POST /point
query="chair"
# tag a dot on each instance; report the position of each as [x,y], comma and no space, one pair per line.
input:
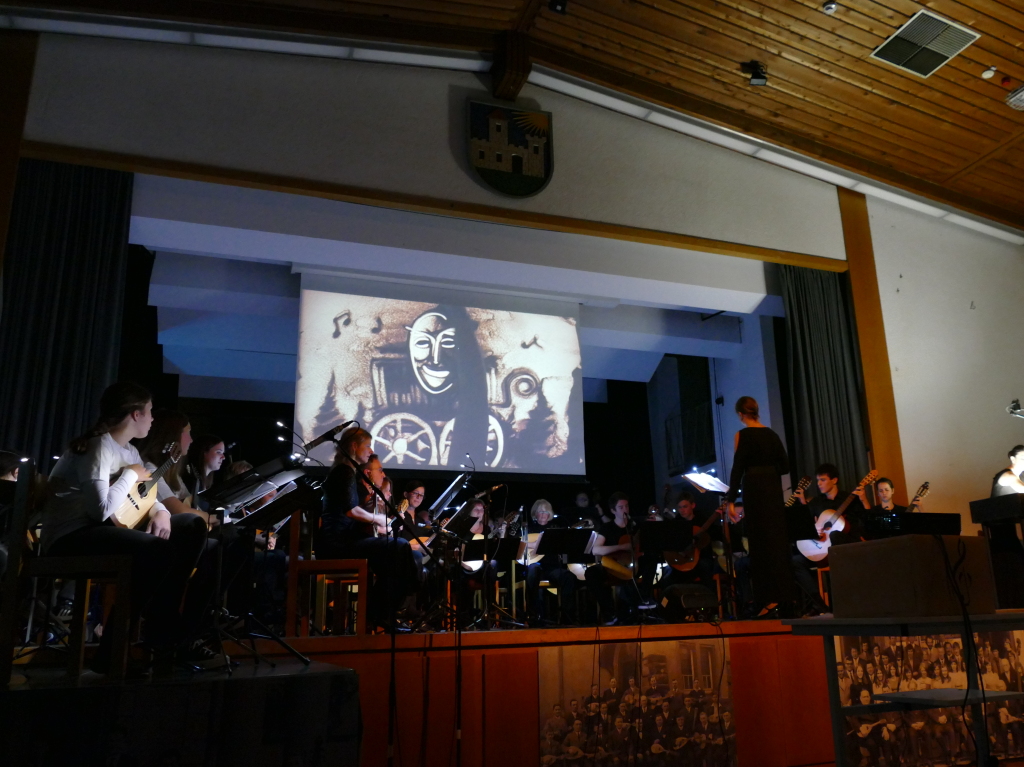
[347,572]
[23,566]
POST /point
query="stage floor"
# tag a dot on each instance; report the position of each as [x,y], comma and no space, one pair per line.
[257,716]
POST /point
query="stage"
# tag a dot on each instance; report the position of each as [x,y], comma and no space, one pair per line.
[288,715]
[778,689]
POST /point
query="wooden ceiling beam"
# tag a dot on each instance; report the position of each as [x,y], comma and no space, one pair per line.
[512,64]
[527,15]
[992,154]
[649,90]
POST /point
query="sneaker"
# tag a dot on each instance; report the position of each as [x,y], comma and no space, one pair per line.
[199,654]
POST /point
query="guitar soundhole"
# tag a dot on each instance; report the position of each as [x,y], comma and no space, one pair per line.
[143,492]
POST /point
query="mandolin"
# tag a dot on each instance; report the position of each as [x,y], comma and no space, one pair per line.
[142,495]
[686,560]
[828,522]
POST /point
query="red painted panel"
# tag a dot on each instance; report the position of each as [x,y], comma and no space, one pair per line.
[410,671]
[472,710]
[803,700]
[439,700]
[760,725]
[510,706]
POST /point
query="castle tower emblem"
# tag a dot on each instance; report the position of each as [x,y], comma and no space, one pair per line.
[510,149]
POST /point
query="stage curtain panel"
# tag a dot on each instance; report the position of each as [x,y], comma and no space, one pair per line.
[824,374]
[63,291]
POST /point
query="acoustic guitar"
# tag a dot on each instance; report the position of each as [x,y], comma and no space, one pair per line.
[686,560]
[622,564]
[803,484]
[142,495]
[919,496]
[828,522]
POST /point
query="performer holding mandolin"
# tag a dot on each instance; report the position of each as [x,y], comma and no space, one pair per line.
[90,483]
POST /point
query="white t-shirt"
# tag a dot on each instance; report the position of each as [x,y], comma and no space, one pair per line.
[87,489]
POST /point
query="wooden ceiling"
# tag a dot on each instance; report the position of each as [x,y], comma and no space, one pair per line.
[949,137]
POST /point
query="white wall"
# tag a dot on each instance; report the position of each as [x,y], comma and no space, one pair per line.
[952,306]
[402,129]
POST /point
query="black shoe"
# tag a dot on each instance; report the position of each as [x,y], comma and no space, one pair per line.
[198,654]
[613,622]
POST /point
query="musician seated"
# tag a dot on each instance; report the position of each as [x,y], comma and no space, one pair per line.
[176,490]
[612,538]
[549,568]
[584,513]
[347,531]
[884,488]
[828,498]
[88,486]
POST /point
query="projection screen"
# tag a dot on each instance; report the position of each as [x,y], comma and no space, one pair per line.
[434,381]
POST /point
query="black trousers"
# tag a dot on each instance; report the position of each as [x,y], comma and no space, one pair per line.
[808,580]
[601,584]
[160,568]
[390,560]
[559,577]
[233,549]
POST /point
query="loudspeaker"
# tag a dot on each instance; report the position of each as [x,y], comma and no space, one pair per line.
[905,577]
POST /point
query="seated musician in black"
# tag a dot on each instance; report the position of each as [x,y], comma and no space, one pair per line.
[347,530]
[829,497]
[599,580]
[884,488]
[1004,543]
[549,569]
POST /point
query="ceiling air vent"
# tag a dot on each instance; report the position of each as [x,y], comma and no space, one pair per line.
[924,44]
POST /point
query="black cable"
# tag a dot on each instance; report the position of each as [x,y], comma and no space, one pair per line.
[955,576]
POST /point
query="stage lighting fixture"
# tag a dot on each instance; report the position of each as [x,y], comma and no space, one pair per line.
[830,7]
[558,6]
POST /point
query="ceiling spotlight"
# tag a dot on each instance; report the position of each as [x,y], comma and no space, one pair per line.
[23,460]
[757,70]
[830,7]
[280,439]
[558,6]
[280,425]
[989,73]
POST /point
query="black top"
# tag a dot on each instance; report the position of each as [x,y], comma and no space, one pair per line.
[611,533]
[998,489]
[341,494]
[896,509]
[759,449]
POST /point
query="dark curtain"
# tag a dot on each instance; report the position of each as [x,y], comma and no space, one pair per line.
[824,375]
[63,291]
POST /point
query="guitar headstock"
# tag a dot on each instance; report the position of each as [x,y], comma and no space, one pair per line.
[869,479]
[922,491]
[803,484]
[173,451]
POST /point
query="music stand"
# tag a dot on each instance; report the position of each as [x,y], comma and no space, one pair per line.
[574,545]
[302,496]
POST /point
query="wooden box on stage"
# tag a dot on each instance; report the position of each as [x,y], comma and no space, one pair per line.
[905,577]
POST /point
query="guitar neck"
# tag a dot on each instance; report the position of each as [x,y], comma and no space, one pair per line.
[157,475]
